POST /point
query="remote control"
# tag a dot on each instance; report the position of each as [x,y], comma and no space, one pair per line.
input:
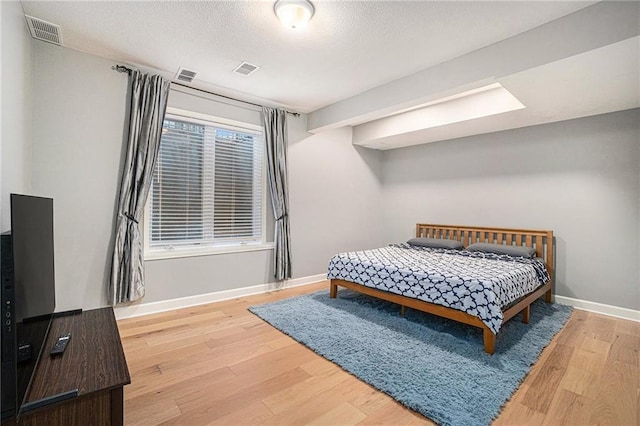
[60,345]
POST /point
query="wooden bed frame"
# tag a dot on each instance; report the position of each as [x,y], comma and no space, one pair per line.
[542,241]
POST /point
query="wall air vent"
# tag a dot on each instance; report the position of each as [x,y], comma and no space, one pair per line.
[43,30]
[246,68]
[185,75]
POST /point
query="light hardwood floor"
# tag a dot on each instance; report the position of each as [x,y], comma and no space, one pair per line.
[220,364]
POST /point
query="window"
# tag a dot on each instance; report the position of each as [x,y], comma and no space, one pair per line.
[207,188]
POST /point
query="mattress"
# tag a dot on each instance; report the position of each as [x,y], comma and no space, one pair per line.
[480,284]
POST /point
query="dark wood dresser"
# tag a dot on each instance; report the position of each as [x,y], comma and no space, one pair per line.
[93,364]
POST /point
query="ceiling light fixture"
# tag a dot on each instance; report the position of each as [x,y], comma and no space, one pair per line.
[293,13]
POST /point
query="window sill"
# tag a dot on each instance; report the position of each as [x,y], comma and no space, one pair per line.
[208,251]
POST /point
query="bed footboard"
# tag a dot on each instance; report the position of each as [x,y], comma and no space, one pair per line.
[489,338]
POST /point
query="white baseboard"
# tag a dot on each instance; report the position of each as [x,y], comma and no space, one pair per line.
[139,309]
[600,308]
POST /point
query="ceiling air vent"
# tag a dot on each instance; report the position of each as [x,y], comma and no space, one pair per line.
[246,68]
[185,75]
[43,30]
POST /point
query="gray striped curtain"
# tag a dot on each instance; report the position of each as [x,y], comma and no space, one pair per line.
[148,105]
[275,133]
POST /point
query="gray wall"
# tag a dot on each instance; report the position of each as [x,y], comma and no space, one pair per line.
[188,276]
[15,125]
[335,193]
[78,115]
[579,178]
[78,122]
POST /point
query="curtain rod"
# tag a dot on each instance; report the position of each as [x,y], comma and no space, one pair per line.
[122,68]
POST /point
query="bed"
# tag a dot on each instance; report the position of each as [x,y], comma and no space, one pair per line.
[476,288]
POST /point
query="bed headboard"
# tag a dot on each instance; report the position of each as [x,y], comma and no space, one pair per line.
[542,241]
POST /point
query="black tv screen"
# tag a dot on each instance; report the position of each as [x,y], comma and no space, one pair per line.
[34,280]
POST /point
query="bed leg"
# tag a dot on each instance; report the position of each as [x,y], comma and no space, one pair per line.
[333,290]
[547,296]
[402,310]
[526,313]
[489,341]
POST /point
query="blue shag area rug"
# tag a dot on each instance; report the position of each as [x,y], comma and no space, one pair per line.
[432,365]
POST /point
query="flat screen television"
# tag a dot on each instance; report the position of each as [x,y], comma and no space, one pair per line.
[28,285]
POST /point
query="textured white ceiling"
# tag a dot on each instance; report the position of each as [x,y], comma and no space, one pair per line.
[347,48]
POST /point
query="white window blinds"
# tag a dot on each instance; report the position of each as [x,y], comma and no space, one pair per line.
[207,186]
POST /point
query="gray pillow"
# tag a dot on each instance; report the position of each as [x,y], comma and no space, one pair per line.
[436,243]
[516,251]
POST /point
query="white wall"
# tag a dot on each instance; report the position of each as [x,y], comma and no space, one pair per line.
[579,178]
[15,109]
[79,117]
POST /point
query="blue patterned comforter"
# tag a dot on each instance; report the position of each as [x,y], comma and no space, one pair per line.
[480,284]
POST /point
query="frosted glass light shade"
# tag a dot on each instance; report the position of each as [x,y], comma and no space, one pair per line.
[293,13]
